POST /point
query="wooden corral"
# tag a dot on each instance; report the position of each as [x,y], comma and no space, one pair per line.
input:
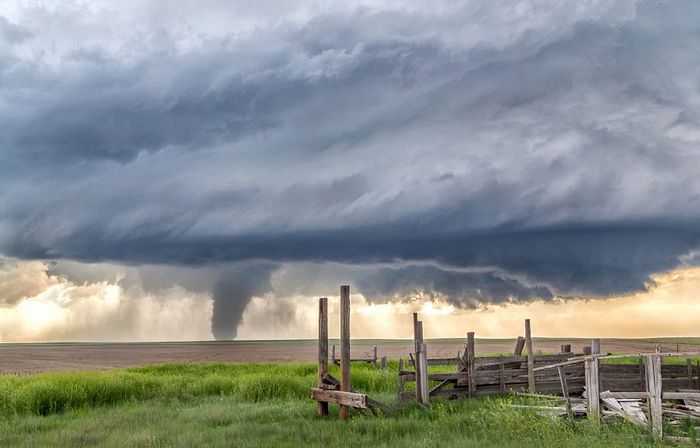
[613,389]
[484,375]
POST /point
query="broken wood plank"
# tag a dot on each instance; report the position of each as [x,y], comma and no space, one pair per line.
[343,398]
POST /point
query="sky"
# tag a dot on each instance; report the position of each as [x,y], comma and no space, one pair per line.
[178,169]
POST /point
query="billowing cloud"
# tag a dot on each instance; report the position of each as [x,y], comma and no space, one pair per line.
[482,152]
[40,306]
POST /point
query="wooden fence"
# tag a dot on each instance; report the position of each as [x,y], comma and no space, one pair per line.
[485,375]
[650,380]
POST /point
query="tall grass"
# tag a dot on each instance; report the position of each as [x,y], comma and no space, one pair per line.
[183,405]
[51,393]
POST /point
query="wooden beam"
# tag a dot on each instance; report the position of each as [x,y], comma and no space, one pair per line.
[418,340]
[560,364]
[564,390]
[519,346]
[653,371]
[344,399]
[625,395]
[689,362]
[680,395]
[322,349]
[471,368]
[592,388]
[595,347]
[345,384]
[530,360]
[399,384]
[501,369]
[423,368]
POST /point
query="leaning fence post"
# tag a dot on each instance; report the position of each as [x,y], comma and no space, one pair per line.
[565,390]
[530,359]
[519,345]
[322,349]
[345,384]
[592,388]
[653,369]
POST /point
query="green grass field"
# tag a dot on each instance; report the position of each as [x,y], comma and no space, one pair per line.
[263,405]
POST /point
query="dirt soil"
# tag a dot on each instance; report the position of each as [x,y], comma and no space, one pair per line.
[34,358]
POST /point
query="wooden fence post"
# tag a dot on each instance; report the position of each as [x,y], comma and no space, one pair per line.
[322,349]
[519,345]
[423,363]
[653,369]
[399,386]
[374,356]
[471,368]
[595,347]
[592,388]
[417,340]
[530,359]
[689,362]
[383,362]
[502,368]
[333,354]
[345,384]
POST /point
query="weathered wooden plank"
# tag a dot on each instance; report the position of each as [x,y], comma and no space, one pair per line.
[345,384]
[680,395]
[471,368]
[625,395]
[418,337]
[322,407]
[592,388]
[653,371]
[530,360]
[564,389]
[595,347]
[559,364]
[423,367]
[552,358]
[502,377]
[399,385]
[343,398]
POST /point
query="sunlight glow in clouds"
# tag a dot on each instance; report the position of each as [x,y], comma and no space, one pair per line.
[107,311]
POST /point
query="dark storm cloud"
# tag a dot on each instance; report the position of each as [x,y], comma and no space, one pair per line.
[553,148]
